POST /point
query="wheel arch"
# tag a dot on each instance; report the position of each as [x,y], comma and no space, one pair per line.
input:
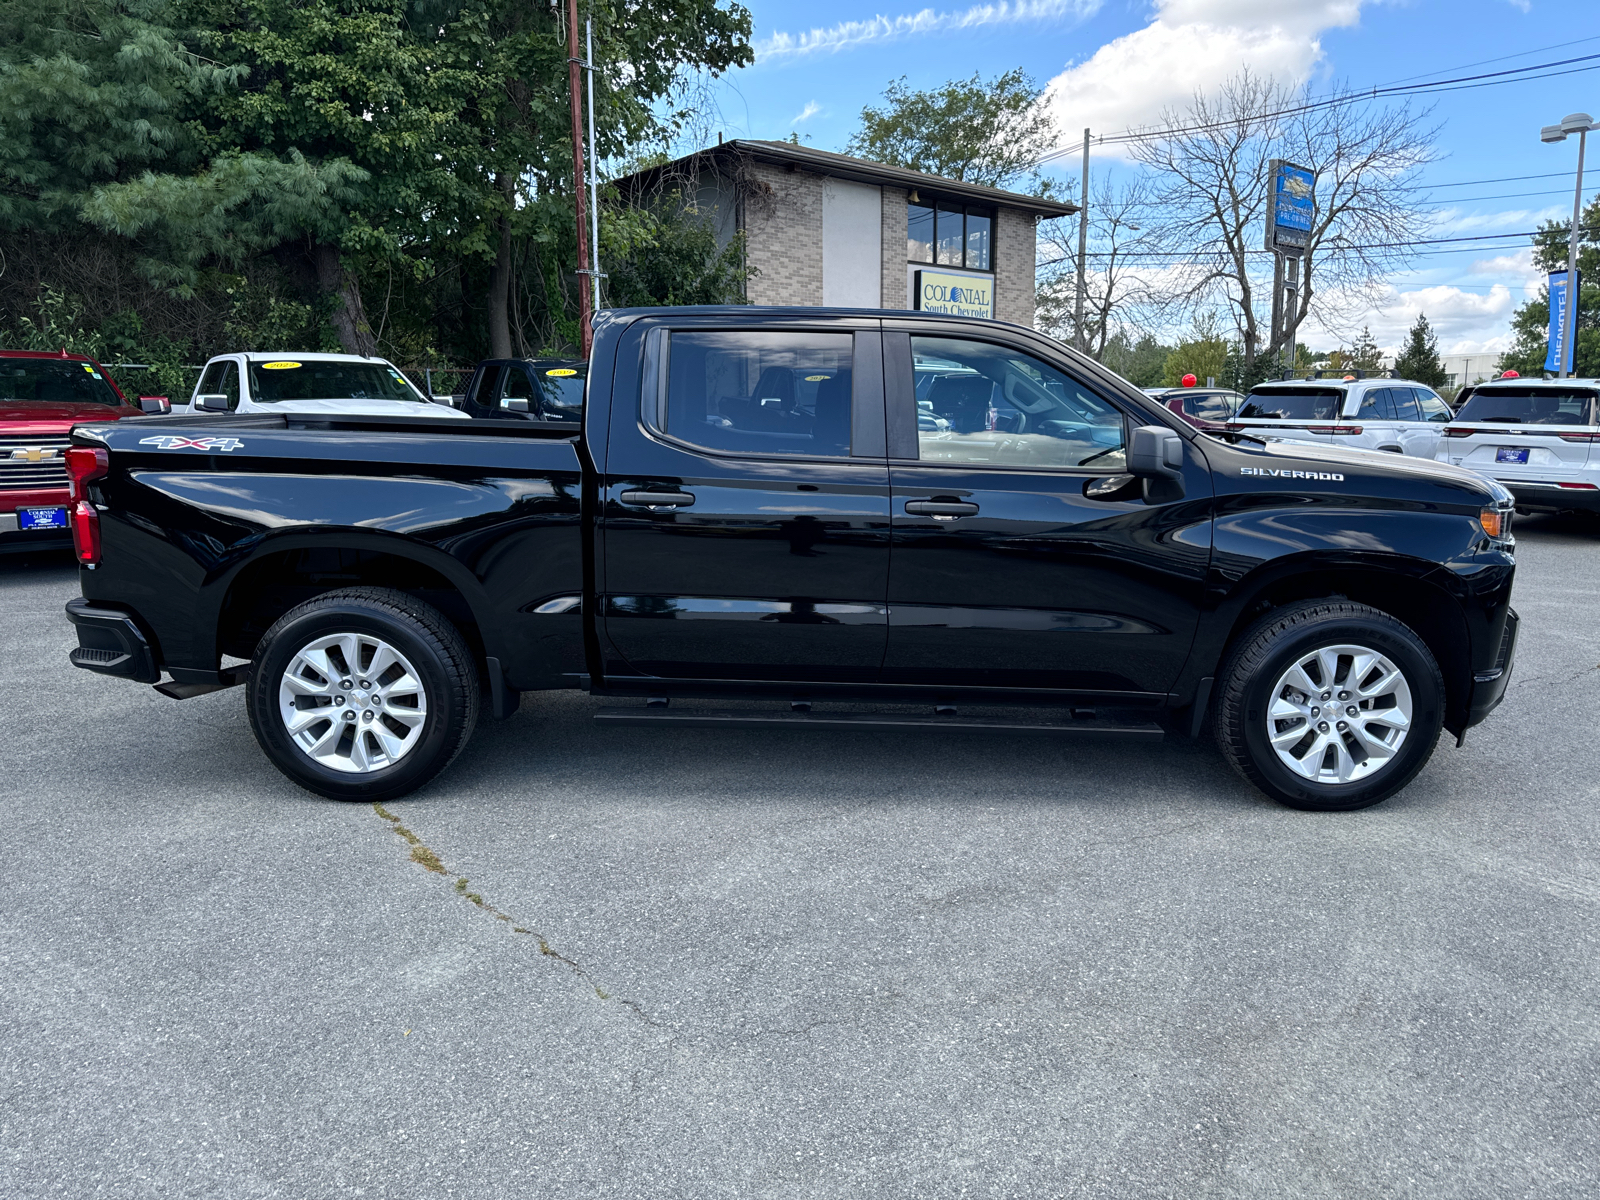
[1409,590]
[289,569]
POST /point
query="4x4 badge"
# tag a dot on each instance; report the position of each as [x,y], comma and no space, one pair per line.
[169,441]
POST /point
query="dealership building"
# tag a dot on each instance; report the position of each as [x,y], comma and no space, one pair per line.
[828,229]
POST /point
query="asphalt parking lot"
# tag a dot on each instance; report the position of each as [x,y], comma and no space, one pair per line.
[640,963]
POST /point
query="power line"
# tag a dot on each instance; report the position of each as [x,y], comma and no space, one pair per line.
[1460,83]
[1503,58]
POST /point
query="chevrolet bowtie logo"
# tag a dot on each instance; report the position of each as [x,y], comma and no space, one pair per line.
[33,453]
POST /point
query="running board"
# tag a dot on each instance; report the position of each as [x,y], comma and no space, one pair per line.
[660,715]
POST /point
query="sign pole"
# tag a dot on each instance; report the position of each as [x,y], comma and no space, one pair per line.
[1277,299]
[1569,348]
[1291,293]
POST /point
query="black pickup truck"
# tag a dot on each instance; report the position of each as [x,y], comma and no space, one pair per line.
[915,515]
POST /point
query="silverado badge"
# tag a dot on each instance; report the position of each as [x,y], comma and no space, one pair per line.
[1274,472]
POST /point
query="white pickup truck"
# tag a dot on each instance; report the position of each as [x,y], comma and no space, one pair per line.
[310,383]
[1397,415]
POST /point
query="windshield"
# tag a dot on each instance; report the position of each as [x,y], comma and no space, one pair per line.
[53,381]
[1292,404]
[1530,406]
[289,379]
[561,385]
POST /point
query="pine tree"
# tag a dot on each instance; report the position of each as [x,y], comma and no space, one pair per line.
[1364,354]
[1420,358]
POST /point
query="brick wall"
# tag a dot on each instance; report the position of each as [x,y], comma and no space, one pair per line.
[783,227]
[1016,248]
[895,292]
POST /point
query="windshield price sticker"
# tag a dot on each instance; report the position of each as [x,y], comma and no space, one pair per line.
[561,372]
[279,366]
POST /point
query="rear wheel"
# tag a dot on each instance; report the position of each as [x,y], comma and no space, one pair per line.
[363,694]
[1329,705]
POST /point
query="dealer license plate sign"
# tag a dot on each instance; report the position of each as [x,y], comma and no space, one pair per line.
[1507,455]
[41,518]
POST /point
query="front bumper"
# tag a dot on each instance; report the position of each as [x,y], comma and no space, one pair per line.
[111,642]
[1489,687]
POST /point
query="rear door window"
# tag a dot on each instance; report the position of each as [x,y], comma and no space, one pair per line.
[1530,406]
[1291,404]
[760,393]
[1405,404]
[1376,405]
[1208,408]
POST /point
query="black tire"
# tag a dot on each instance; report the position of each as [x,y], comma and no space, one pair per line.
[435,649]
[1260,657]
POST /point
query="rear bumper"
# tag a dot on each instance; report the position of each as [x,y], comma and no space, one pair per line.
[111,642]
[1489,687]
[1551,496]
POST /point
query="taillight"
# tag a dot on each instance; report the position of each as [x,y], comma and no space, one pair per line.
[1580,437]
[85,464]
[1458,431]
[1579,487]
[1346,430]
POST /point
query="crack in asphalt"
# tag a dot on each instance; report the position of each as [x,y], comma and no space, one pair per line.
[428,859]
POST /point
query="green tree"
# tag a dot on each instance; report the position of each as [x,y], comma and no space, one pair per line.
[1203,354]
[1364,353]
[1530,324]
[988,132]
[1419,360]
[1142,363]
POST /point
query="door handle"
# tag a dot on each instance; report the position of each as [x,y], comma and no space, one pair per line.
[657,501]
[947,509]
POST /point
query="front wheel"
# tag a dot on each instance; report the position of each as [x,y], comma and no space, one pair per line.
[362,694]
[1329,705]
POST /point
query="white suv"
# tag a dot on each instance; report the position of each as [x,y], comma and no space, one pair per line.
[1397,415]
[1536,436]
[310,383]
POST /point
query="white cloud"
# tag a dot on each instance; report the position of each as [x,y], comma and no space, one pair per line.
[1193,45]
[849,34]
[811,109]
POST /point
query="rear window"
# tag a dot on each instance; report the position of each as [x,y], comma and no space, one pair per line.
[53,381]
[289,379]
[1292,404]
[1530,406]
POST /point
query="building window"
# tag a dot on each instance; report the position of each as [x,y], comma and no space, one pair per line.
[950,234]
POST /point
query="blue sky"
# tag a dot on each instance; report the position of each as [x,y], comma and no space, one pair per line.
[1115,63]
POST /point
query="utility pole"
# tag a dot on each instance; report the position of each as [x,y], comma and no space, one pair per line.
[594,167]
[575,89]
[1079,337]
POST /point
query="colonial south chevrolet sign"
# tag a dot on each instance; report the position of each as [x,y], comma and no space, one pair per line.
[958,295]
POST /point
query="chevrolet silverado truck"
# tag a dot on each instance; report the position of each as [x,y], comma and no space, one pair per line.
[754,507]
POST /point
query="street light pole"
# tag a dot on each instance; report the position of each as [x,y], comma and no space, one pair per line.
[1580,124]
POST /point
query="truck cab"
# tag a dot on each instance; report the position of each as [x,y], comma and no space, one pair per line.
[258,384]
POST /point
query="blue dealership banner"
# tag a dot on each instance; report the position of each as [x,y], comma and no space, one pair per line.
[1558,322]
[1291,206]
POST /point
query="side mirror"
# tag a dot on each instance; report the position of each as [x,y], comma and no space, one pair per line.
[457,400]
[1156,453]
[155,406]
[211,402]
[515,405]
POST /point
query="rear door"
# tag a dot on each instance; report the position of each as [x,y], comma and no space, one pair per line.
[745,502]
[1424,423]
[1023,557]
[1375,412]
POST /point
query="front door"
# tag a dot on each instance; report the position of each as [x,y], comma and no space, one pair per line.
[1022,557]
[746,505]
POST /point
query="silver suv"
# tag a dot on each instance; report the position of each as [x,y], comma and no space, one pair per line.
[1397,415]
[1536,436]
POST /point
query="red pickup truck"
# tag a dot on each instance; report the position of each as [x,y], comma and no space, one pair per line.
[42,396]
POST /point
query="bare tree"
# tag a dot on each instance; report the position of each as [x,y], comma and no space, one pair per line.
[1119,285]
[1210,174]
